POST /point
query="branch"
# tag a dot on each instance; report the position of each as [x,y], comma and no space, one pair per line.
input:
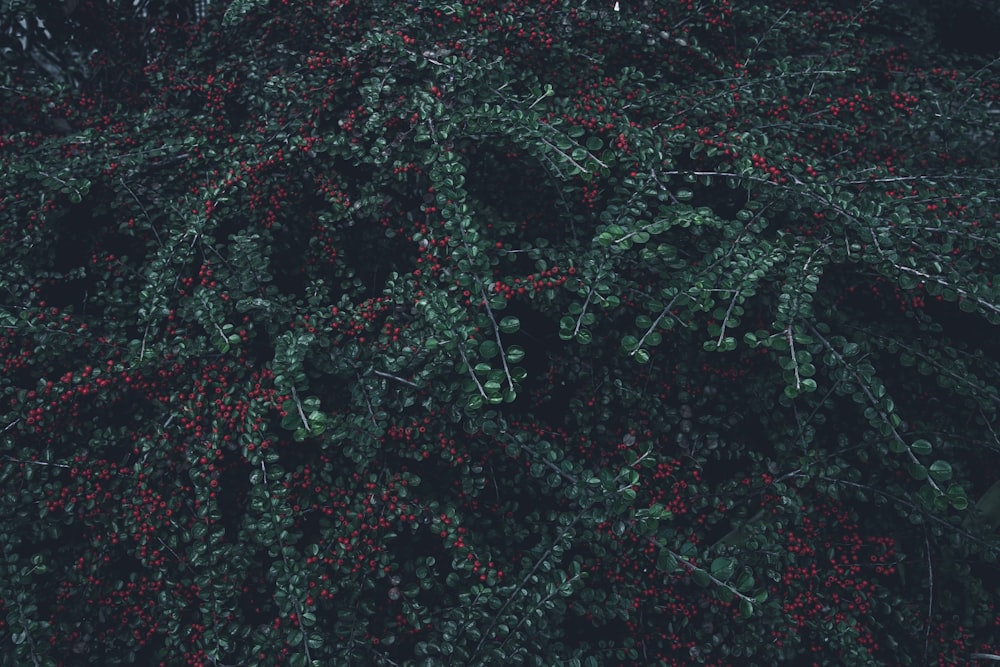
[37,463]
[302,414]
[958,290]
[691,567]
[543,558]
[902,501]
[791,349]
[496,334]
[760,41]
[390,376]
[145,333]
[28,637]
[368,402]
[729,311]
[121,179]
[524,617]
[586,302]
[930,596]
[571,160]
[472,373]
[656,323]
[875,404]
[569,477]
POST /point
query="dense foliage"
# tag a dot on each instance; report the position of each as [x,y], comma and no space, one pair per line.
[544,332]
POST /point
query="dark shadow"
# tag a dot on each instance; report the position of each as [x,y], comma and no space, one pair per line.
[971,28]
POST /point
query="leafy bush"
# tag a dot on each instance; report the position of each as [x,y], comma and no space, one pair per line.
[535,332]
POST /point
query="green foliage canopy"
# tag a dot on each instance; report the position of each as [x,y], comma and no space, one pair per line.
[525,333]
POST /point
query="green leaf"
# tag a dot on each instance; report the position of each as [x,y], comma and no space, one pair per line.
[723,568]
[238,8]
[515,353]
[921,447]
[509,324]
[667,562]
[489,349]
[956,496]
[940,471]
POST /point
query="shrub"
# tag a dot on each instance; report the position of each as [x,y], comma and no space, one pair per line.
[532,332]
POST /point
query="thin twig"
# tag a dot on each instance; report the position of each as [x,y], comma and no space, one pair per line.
[302,414]
[656,323]
[390,376]
[875,404]
[538,563]
[142,347]
[496,333]
[902,501]
[791,348]
[144,212]
[725,320]
[930,595]
[472,373]
[368,402]
[760,41]
[37,463]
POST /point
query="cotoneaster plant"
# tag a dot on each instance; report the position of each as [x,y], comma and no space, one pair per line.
[543,333]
